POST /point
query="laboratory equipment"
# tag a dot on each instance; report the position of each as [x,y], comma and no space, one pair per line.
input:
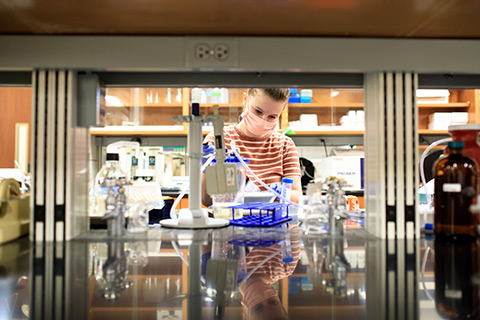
[286,192]
[315,220]
[269,214]
[110,198]
[222,177]
[222,202]
[456,263]
[335,205]
[455,191]
[14,211]
[337,267]
[195,217]
[113,279]
[468,134]
[314,247]
[350,168]
[138,217]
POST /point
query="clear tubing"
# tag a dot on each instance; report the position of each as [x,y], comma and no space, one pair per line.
[180,254]
[232,146]
[184,191]
[424,263]
[422,172]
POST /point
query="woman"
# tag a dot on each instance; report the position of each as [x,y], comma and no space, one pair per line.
[272,156]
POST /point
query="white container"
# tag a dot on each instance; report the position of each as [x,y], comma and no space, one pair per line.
[221,210]
[309,120]
[216,95]
[196,95]
[306,93]
[224,98]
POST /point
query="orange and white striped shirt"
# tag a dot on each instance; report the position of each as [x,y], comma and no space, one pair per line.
[274,269]
[271,158]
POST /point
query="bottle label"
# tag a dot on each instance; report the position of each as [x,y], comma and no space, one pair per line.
[452,187]
[453,294]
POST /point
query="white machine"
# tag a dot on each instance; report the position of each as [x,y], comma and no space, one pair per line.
[348,168]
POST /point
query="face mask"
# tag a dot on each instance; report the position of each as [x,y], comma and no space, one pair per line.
[257,125]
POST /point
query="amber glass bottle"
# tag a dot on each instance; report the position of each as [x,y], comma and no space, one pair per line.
[456,266]
[455,190]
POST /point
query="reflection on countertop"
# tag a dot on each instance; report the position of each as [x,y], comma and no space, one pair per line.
[239,273]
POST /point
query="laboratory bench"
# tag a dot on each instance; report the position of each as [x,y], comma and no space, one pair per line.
[186,274]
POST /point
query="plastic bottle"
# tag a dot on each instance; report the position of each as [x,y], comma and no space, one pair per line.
[196,95]
[455,190]
[286,192]
[109,178]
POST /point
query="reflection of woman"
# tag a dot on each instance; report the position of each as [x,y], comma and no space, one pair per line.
[272,156]
[260,299]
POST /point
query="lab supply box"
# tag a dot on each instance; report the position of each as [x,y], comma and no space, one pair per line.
[349,168]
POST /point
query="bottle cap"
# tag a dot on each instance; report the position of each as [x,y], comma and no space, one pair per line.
[455,144]
[112,157]
[287,180]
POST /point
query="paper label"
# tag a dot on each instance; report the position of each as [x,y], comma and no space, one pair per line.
[230,176]
[452,187]
[453,294]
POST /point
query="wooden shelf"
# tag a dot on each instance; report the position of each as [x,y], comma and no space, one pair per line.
[423,147]
[153,105]
[137,131]
[149,132]
[451,105]
[436,132]
[327,132]
[444,105]
[322,105]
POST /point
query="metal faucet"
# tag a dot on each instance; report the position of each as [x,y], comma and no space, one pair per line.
[336,206]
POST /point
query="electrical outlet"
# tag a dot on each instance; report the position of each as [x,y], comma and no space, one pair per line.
[202,51]
[214,53]
[221,52]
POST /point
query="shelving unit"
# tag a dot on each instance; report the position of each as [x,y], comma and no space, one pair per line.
[154,112]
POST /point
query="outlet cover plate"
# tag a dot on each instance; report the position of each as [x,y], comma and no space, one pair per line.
[191,60]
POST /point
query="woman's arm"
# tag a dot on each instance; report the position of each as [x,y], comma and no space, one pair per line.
[296,189]
[206,199]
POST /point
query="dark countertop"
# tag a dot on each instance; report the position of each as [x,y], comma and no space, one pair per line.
[145,276]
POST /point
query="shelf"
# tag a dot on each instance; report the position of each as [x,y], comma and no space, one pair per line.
[321,105]
[444,105]
[327,132]
[423,147]
[153,105]
[433,132]
[138,131]
[153,131]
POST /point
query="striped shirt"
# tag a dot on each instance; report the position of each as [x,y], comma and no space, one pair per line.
[274,269]
[271,158]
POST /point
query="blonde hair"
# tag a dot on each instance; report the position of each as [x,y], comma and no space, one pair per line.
[277,94]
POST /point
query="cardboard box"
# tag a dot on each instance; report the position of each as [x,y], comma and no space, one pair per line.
[349,168]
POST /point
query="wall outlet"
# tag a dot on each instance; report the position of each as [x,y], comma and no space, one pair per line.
[221,51]
[203,51]
[212,53]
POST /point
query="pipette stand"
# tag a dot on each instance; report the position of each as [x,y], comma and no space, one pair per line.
[194,217]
